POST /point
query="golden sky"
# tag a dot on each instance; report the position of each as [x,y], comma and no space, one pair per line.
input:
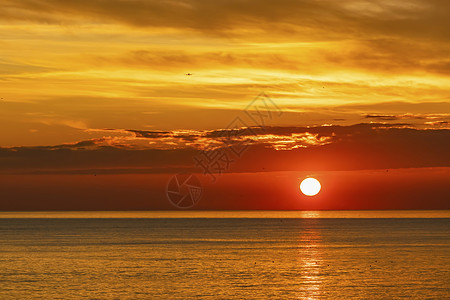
[70,69]
[359,93]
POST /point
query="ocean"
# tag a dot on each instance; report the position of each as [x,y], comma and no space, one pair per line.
[225,255]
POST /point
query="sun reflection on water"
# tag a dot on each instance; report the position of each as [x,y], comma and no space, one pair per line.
[310,260]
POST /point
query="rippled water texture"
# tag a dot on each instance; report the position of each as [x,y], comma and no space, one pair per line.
[161,256]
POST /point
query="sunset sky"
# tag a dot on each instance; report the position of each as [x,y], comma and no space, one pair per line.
[97,112]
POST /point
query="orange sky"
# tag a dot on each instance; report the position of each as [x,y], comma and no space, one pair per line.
[93,86]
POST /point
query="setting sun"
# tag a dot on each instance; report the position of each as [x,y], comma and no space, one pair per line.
[147,146]
[310,186]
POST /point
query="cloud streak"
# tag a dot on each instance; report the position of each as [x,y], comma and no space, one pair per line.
[362,146]
[412,18]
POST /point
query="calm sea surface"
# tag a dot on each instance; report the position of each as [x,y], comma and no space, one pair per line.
[223,255]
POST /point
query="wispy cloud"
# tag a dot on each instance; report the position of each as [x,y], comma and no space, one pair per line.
[286,15]
[407,116]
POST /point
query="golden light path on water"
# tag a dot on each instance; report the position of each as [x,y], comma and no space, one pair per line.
[310,261]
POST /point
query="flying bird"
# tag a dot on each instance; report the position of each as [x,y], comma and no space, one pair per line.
[188,74]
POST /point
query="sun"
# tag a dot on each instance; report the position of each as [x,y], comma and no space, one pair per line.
[310,186]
